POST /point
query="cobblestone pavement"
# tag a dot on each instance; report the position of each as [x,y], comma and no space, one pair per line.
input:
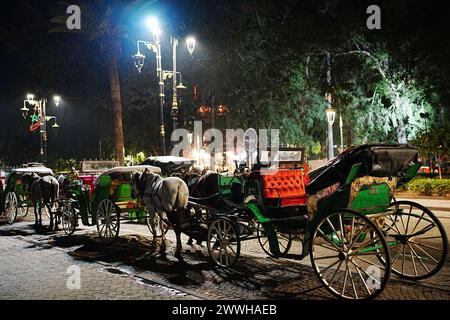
[34,266]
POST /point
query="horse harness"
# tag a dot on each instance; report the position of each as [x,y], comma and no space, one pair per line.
[152,194]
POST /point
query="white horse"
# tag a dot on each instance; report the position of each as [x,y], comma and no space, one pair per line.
[164,195]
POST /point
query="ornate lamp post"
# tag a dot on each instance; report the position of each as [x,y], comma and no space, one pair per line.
[139,58]
[155,46]
[39,118]
[331,114]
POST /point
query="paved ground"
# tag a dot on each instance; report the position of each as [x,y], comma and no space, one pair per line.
[35,265]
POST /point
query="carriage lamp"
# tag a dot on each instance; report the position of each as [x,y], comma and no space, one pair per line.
[190,41]
[331,115]
[57,100]
[139,61]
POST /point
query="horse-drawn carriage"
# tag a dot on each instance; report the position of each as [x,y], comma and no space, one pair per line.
[344,213]
[110,201]
[14,199]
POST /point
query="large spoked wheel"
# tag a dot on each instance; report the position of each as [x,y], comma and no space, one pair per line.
[11,207]
[284,241]
[22,208]
[108,221]
[417,240]
[158,228]
[345,249]
[69,218]
[224,245]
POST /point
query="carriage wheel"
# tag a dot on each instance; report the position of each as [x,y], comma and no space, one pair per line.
[345,249]
[108,221]
[224,245]
[156,225]
[22,210]
[417,240]
[69,218]
[11,207]
[284,241]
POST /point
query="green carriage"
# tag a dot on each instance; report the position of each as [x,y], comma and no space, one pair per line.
[14,199]
[344,215]
[110,202]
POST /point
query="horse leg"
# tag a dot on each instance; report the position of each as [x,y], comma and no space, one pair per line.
[57,217]
[40,214]
[179,245]
[36,221]
[51,216]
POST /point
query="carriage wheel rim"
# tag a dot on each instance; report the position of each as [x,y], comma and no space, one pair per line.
[225,249]
[69,219]
[284,243]
[423,250]
[11,207]
[107,220]
[345,258]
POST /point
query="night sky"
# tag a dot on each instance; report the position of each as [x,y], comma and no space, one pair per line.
[30,57]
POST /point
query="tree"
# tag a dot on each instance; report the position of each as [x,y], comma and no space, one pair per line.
[104,22]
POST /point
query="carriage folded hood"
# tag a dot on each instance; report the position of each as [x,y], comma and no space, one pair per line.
[377,160]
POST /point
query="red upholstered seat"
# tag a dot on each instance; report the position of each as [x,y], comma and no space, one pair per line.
[286,185]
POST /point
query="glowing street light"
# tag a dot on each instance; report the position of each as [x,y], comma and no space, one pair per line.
[190,41]
[153,24]
[56,100]
[40,118]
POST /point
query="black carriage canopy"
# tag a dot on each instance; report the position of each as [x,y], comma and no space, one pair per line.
[377,160]
[125,173]
[169,164]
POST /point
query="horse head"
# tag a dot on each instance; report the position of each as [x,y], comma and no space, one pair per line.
[139,182]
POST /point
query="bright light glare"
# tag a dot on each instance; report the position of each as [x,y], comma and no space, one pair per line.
[30,96]
[153,24]
[190,41]
[57,100]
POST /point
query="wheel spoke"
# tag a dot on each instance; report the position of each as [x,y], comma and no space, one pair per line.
[412,258]
[330,266]
[420,260]
[324,236]
[425,245]
[351,279]
[426,253]
[369,262]
[335,272]
[326,257]
[344,285]
[365,272]
[326,247]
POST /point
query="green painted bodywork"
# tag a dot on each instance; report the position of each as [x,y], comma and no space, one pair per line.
[372,199]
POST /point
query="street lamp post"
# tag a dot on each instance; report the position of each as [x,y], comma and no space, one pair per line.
[41,118]
[331,114]
[341,130]
[163,74]
[139,58]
